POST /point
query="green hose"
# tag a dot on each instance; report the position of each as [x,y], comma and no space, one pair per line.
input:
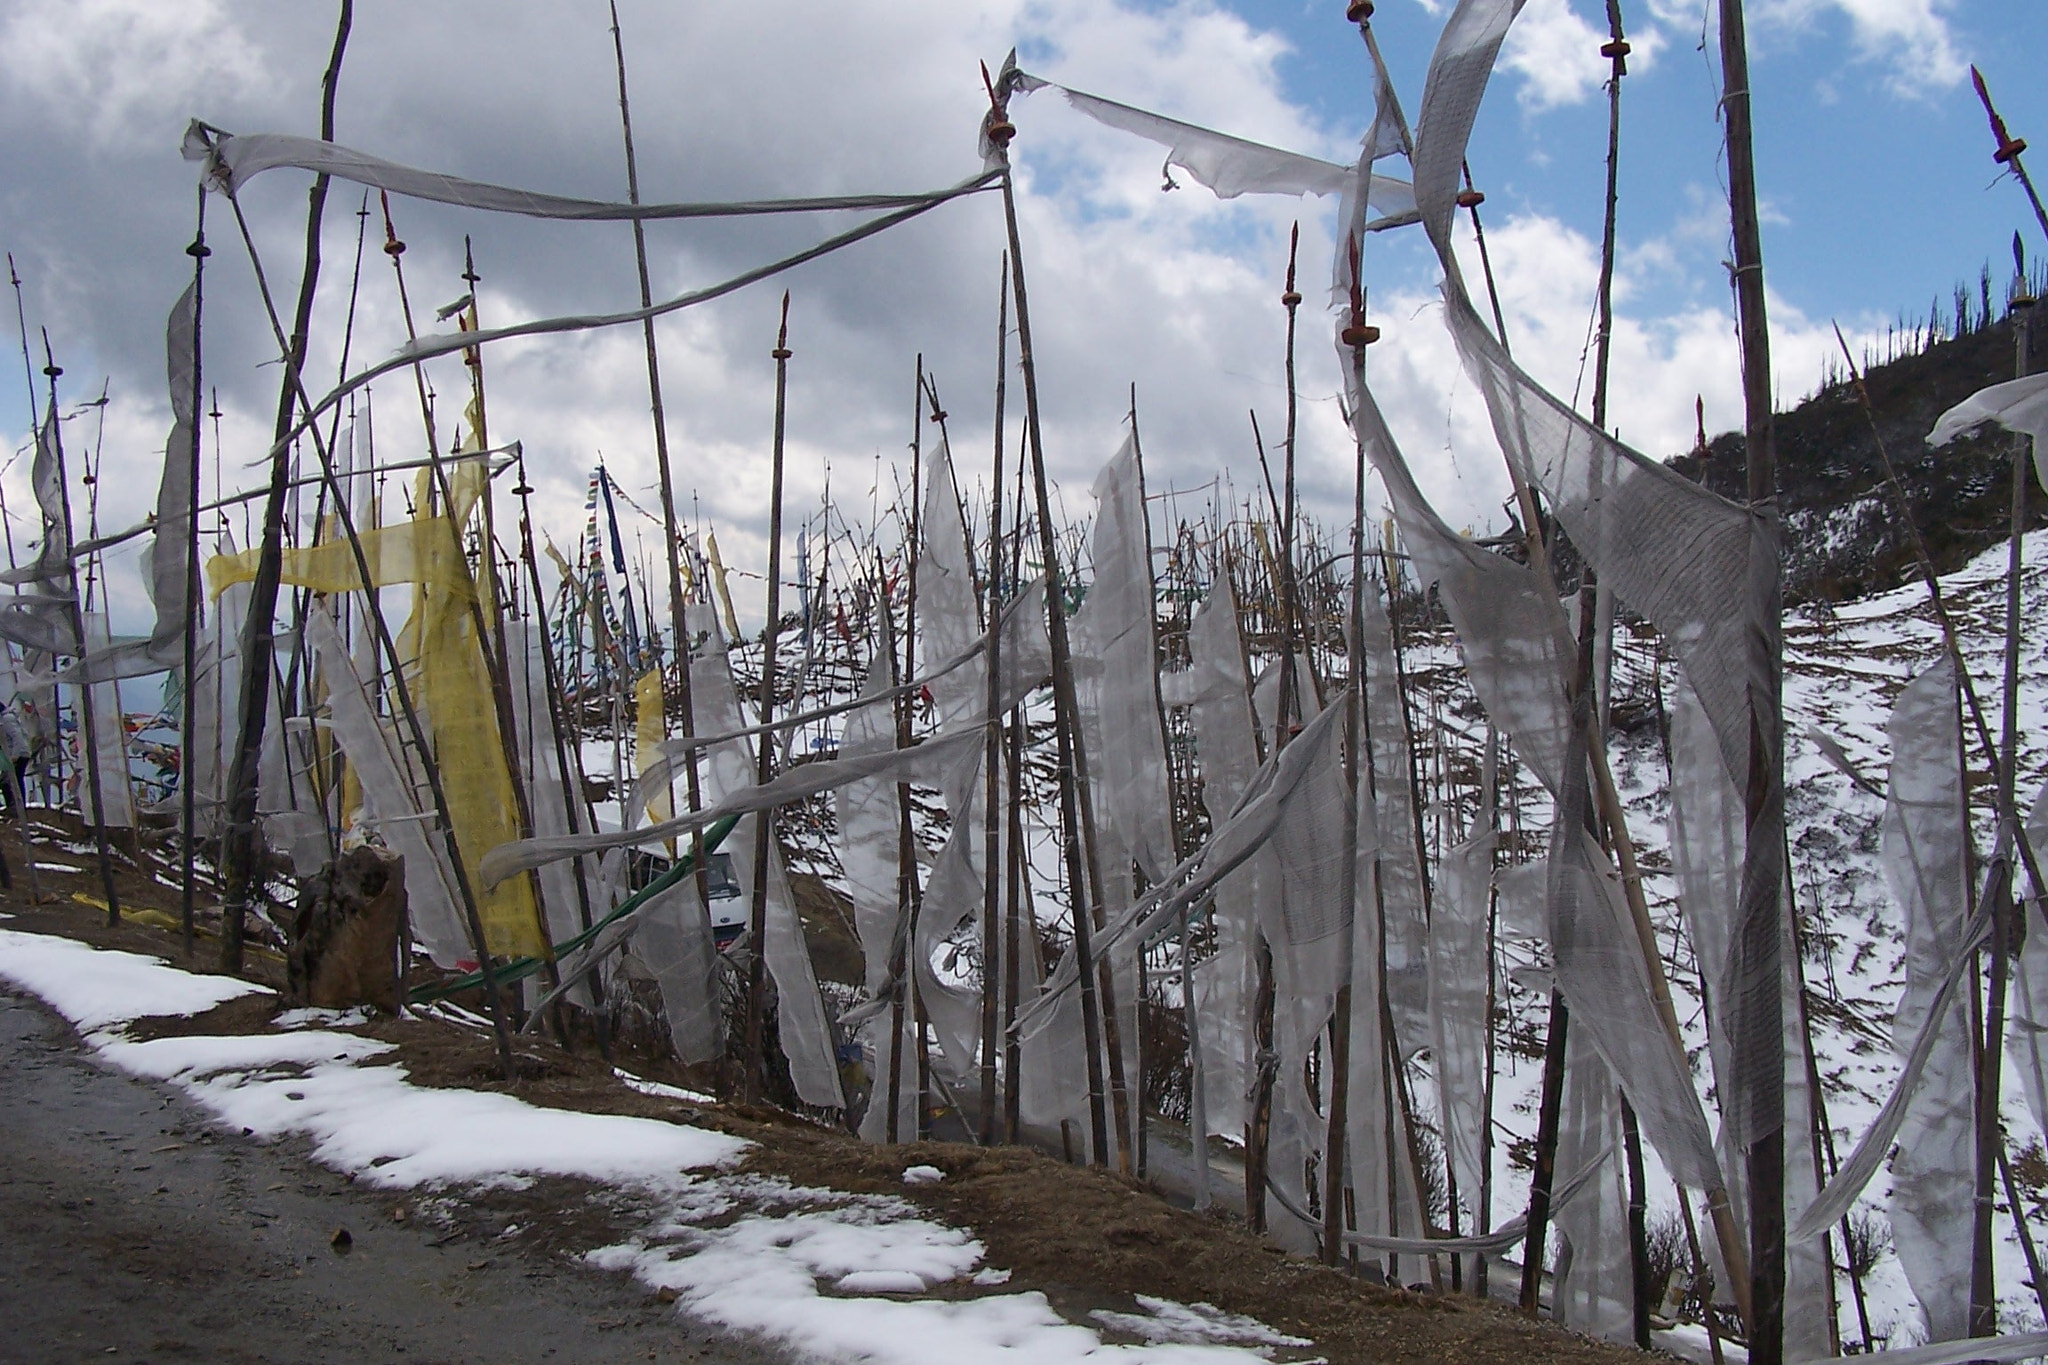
[519,968]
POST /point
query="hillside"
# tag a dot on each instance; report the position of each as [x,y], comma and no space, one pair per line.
[1843,535]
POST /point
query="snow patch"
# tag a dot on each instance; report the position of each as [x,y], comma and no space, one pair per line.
[366,1121]
[1192,1323]
[832,1275]
[311,1015]
[659,1090]
[98,988]
[922,1175]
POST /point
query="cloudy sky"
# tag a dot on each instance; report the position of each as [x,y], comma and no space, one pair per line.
[1873,161]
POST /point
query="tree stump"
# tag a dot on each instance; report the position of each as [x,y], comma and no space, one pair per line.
[345,932]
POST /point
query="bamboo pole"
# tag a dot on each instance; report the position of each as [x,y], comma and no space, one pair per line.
[1022,915]
[684,699]
[241,849]
[1286,717]
[88,733]
[187,728]
[490,624]
[906,863]
[764,828]
[1482,1213]
[1616,51]
[1083,871]
[2009,148]
[568,764]
[240,844]
[991,837]
[1983,1288]
[1289,713]
[1013,940]
[416,731]
[1359,775]
[1758,1028]
[1165,752]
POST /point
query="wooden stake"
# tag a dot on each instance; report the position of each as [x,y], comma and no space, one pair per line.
[88,734]
[416,731]
[241,843]
[764,828]
[684,700]
[992,814]
[2009,148]
[1758,1028]
[1359,780]
[1545,1172]
[906,862]
[198,251]
[1990,1137]
[1083,870]
[1616,51]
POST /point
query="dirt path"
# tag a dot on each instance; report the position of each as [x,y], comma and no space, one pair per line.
[132,1230]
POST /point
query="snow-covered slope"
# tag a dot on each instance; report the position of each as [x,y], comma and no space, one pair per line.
[1843,667]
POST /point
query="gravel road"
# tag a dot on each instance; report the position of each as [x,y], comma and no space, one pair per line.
[131,1229]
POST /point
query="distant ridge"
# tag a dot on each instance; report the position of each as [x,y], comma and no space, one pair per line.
[1843,538]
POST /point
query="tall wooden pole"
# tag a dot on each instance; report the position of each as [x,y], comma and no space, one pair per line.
[1758,1025]
[187,729]
[241,843]
[1165,753]
[1289,712]
[764,828]
[1021,930]
[1983,1288]
[992,802]
[1616,51]
[409,714]
[1083,875]
[901,972]
[679,634]
[2009,149]
[1358,772]
[88,731]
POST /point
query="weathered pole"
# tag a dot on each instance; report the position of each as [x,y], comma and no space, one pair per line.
[2010,148]
[198,251]
[992,801]
[764,828]
[904,1000]
[1014,936]
[684,700]
[88,731]
[1358,773]
[1990,1137]
[241,842]
[1757,1023]
[1083,874]
[1616,50]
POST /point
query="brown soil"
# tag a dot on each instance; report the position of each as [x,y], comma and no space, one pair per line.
[1085,1237]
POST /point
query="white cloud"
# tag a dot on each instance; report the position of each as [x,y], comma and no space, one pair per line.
[1175,292]
[1910,38]
[1660,364]
[1556,52]
[113,66]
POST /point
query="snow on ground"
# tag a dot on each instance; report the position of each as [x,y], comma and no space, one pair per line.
[1843,668]
[832,1276]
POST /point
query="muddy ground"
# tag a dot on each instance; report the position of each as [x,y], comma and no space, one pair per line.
[1087,1238]
[132,1229]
